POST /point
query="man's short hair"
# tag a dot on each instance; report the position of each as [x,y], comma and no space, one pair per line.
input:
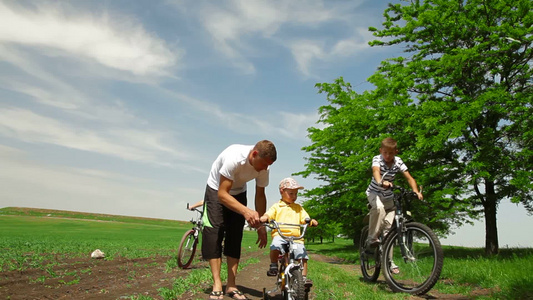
[266,149]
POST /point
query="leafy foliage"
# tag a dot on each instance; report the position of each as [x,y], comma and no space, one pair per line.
[459,104]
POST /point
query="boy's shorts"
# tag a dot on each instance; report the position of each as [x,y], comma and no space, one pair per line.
[299,252]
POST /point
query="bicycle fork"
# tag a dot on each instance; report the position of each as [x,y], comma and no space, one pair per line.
[289,290]
[401,229]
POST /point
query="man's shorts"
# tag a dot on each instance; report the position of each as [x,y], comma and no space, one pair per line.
[221,224]
[299,252]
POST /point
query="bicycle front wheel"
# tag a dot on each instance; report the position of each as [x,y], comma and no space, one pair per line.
[418,271]
[370,264]
[296,289]
[187,249]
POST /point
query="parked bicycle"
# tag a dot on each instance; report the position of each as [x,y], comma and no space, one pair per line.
[410,246]
[289,280]
[189,241]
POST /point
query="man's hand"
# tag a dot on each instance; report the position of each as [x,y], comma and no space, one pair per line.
[261,237]
[252,217]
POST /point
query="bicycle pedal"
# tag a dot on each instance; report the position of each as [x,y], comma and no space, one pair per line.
[369,252]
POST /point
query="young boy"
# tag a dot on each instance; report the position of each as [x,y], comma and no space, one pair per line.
[384,169]
[287,211]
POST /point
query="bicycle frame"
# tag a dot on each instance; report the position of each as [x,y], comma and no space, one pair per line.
[400,220]
[288,261]
[419,251]
[189,241]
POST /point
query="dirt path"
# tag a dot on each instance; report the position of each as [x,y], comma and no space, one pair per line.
[252,279]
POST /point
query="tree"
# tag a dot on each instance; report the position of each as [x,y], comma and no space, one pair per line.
[460,106]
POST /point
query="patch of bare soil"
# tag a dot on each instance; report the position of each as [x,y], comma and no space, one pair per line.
[86,278]
[120,278]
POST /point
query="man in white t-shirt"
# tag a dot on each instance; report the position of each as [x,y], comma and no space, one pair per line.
[225,208]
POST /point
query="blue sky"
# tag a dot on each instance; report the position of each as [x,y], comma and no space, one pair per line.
[120,107]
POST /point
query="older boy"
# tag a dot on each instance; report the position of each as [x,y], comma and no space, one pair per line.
[380,197]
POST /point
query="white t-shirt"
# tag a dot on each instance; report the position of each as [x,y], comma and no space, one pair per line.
[233,164]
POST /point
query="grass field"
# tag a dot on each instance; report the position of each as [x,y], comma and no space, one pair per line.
[504,276]
[37,239]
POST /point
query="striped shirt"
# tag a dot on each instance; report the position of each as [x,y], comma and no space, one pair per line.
[387,174]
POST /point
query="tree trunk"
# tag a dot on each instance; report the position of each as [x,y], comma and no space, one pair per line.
[491,227]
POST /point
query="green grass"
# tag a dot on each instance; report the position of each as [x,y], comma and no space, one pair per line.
[38,239]
[21,211]
[26,241]
[504,276]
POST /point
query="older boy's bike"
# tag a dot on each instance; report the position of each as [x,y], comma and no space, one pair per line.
[410,254]
[290,280]
[189,241]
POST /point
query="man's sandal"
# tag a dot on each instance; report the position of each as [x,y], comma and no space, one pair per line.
[216,295]
[234,293]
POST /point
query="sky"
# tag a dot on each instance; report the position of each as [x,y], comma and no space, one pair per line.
[120,107]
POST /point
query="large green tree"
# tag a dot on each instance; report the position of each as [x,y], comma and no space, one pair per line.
[459,103]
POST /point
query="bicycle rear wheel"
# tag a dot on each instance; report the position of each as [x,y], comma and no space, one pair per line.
[187,249]
[370,263]
[421,268]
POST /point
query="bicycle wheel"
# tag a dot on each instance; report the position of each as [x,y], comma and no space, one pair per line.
[187,249]
[370,263]
[296,286]
[421,268]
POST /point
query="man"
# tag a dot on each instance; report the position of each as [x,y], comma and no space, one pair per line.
[225,208]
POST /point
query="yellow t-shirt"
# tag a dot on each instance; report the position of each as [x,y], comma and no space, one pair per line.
[288,213]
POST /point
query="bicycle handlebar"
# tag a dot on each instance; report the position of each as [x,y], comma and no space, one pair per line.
[194,209]
[276,226]
[404,191]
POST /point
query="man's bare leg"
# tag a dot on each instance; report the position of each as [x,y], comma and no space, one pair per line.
[215,265]
[233,264]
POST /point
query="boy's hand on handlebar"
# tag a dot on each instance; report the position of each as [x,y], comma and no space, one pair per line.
[261,237]
[386,184]
[313,223]
[263,219]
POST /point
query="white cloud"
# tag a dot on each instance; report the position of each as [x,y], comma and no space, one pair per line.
[112,40]
[129,144]
[232,25]
[293,126]
[305,53]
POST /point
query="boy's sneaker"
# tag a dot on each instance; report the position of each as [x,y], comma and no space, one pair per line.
[273,270]
[308,282]
[371,245]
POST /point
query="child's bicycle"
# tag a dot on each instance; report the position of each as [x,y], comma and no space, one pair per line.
[410,254]
[189,241]
[289,280]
